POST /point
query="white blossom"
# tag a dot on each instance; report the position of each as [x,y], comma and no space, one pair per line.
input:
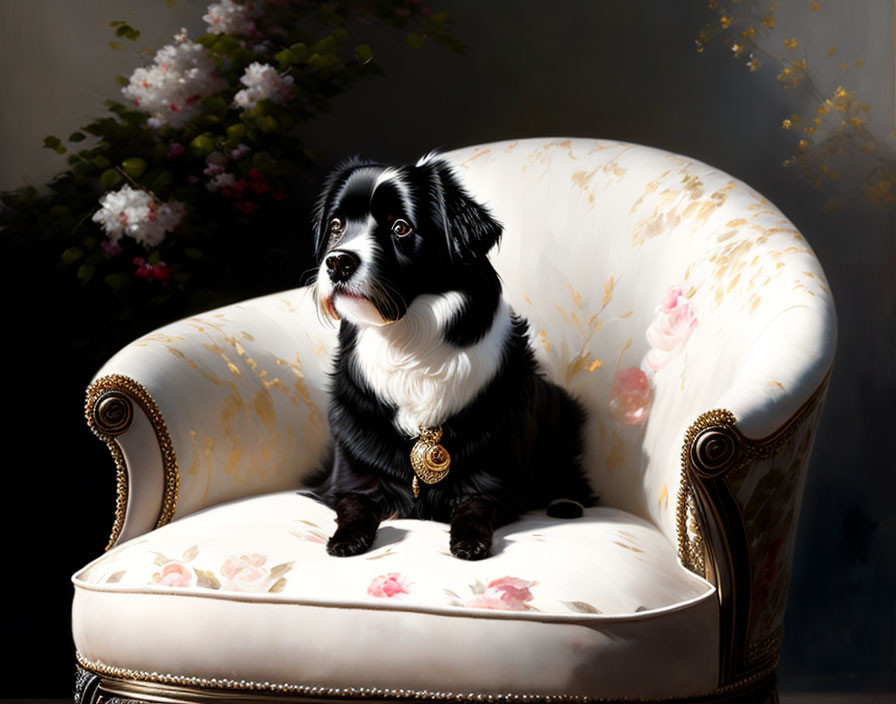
[263,83]
[132,212]
[220,180]
[171,90]
[229,17]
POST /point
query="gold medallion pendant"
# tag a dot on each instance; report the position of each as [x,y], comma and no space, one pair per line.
[430,460]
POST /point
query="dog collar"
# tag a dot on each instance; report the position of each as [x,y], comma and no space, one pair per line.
[430,460]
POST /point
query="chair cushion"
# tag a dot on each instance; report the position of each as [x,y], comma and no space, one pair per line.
[246,591]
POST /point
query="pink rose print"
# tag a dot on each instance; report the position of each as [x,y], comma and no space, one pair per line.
[174,574]
[671,329]
[245,573]
[388,585]
[630,396]
[505,594]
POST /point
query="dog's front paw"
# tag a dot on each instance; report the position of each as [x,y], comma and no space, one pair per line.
[471,549]
[346,546]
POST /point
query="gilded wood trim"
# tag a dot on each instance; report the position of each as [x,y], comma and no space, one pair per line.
[713,448]
[144,686]
[120,388]
[746,450]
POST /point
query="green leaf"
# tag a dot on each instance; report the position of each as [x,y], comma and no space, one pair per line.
[116,45]
[236,132]
[110,178]
[267,124]
[77,137]
[55,144]
[134,166]
[117,281]
[193,253]
[216,104]
[364,52]
[162,181]
[85,273]
[285,58]
[202,144]
[71,255]
[128,32]
[300,52]
[101,162]
[416,40]
[122,80]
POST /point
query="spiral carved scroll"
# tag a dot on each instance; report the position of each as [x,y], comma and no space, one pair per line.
[715,450]
[113,413]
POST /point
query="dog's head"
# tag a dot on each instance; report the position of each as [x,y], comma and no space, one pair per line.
[385,235]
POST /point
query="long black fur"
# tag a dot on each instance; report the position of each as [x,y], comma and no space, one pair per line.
[515,447]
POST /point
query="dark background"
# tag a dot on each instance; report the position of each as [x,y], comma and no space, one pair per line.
[613,69]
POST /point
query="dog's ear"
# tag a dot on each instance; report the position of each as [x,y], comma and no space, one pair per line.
[470,229]
[326,201]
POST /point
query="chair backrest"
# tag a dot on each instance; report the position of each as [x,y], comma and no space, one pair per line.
[624,257]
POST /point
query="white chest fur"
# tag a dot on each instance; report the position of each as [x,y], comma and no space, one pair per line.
[410,366]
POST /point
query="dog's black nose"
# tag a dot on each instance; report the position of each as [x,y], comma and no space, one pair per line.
[341,265]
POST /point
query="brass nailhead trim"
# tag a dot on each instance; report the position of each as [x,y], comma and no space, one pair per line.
[400,695]
[118,389]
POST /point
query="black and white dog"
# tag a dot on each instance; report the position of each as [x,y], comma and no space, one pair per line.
[438,410]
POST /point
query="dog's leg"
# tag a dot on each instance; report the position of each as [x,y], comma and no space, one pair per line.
[357,520]
[472,526]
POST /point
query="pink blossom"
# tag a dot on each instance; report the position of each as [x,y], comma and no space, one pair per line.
[111,249]
[175,151]
[160,271]
[671,329]
[504,594]
[240,151]
[280,195]
[388,585]
[245,573]
[213,170]
[174,574]
[245,207]
[630,396]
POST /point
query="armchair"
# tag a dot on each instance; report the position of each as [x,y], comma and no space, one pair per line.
[681,307]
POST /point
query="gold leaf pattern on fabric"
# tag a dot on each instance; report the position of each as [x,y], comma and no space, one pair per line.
[206,579]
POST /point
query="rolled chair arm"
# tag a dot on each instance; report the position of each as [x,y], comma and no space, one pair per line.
[743,469]
[223,405]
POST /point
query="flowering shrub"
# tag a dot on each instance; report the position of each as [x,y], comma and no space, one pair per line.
[193,190]
[135,213]
[171,91]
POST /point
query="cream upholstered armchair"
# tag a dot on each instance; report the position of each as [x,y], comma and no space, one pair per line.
[687,313]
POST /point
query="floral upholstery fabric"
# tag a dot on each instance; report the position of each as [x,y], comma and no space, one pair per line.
[607,562]
[602,571]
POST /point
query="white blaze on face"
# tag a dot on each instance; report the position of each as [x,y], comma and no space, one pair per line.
[353,300]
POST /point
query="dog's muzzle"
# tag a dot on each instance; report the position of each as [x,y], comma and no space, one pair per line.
[341,265]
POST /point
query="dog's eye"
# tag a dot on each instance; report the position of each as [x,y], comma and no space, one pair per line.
[337,226]
[402,228]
